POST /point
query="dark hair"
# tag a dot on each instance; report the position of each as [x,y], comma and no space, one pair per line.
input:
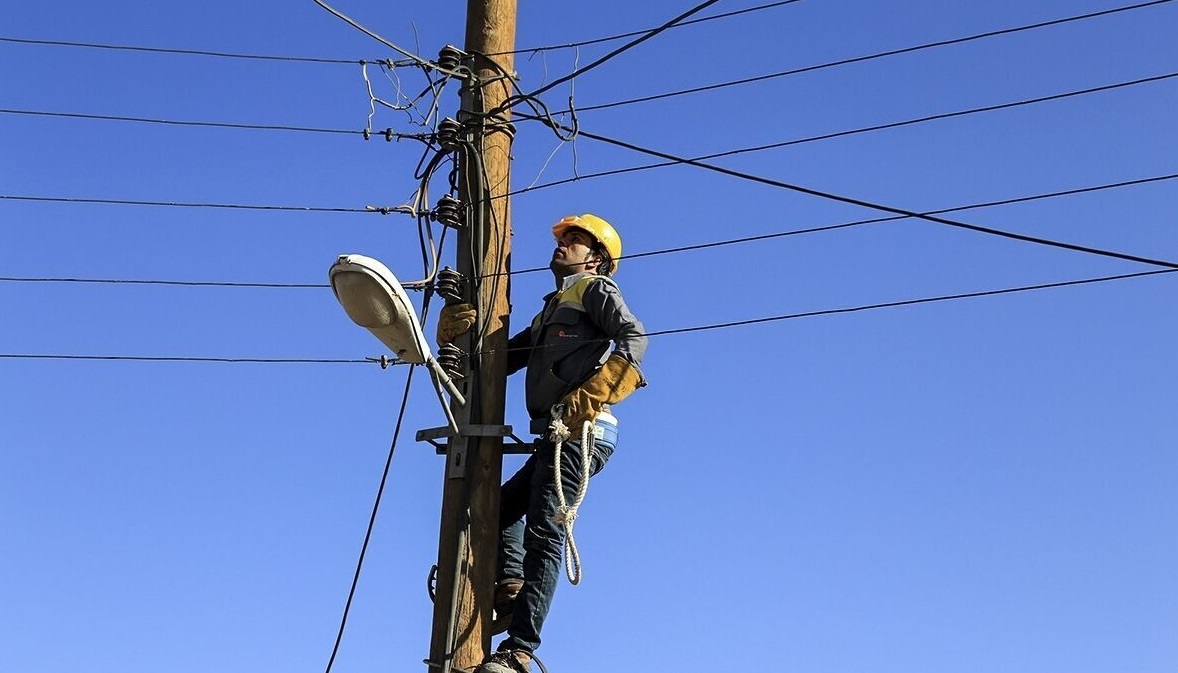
[605,268]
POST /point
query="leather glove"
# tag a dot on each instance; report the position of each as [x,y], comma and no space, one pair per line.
[454,320]
[611,384]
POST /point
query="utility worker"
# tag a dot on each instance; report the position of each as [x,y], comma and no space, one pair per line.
[569,360]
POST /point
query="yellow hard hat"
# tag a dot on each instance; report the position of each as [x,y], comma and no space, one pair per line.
[600,229]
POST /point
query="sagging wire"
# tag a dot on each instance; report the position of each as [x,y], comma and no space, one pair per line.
[442,146]
[830,196]
[561,142]
[877,55]
[563,132]
[646,35]
[681,24]
[412,57]
[446,212]
[433,90]
[371,521]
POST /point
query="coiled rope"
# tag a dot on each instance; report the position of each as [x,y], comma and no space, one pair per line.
[566,514]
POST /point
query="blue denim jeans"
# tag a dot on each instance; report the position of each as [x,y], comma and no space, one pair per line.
[530,544]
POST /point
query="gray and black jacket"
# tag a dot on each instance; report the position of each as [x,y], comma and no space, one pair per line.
[570,339]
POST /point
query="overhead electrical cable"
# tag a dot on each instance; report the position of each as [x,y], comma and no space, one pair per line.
[860,59]
[183,283]
[677,330]
[228,125]
[637,255]
[153,358]
[384,478]
[186,204]
[646,35]
[889,304]
[864,203]
[908,302]
[890,218]
[851,132]
[611,38]
[411,56]
[188,52]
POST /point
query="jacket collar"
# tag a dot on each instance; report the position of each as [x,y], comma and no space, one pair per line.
[568,282]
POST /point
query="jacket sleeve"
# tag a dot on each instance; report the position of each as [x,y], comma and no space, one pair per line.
[604,305]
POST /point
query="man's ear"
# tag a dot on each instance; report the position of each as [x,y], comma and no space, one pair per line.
[594,264]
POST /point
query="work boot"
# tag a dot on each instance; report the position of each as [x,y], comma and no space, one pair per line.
[510,661]
[506,591]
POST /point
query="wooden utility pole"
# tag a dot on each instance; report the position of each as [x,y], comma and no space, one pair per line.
[468,541]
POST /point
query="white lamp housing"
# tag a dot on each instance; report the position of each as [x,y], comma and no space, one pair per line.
[374,299]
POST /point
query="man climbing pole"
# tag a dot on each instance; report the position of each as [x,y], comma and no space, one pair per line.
[572,377]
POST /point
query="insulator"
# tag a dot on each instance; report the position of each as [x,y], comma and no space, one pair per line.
[450,284]
[450,57]
[450,358]
[449,134]
[450,212]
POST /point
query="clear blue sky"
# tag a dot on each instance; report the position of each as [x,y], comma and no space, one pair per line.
[975,485]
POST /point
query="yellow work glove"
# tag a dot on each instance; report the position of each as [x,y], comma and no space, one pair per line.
[454,320]
[611,384]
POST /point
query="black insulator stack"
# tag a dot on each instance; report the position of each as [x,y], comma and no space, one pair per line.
[450,358]
[449,134]
[450,57]
[449,212]
[450,285]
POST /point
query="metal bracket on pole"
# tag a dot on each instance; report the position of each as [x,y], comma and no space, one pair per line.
[432,435]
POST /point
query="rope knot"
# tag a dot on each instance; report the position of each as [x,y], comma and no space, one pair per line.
[564,515]
[557,430]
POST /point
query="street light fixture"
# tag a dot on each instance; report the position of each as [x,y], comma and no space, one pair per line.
[374,299]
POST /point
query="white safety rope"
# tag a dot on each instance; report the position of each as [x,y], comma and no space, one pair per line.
[566,514]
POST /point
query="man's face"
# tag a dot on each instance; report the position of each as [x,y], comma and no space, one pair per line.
[573,253]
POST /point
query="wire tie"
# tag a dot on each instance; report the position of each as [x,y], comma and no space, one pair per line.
[388,135]
[367,134]
[383,361]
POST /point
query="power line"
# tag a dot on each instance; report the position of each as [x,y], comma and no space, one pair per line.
[186,204]
[861,202]
[611,38]
[411,56]
[909,302]
[390,135]
[183,283]
[150,358]
[880,219]
[384,478]
[860,59]
[649,253]
[228,125]
[187,52]
[646,35]
[665,332]
[893,304]
[891,218]
[866,129]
